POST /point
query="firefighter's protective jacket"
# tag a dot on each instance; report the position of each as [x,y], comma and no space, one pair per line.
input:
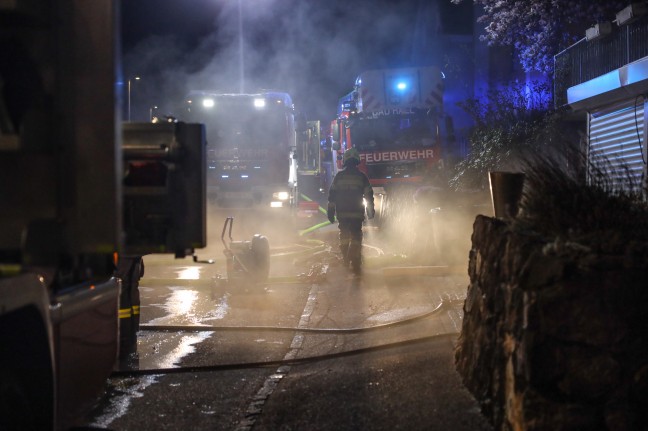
[349,187]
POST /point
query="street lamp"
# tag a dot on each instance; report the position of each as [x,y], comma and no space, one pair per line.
[137,78]
[151,109]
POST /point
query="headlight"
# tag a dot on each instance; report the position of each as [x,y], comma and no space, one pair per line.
[282,196]
[276,204]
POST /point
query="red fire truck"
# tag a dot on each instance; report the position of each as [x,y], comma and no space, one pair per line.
[251,148]
[394,118]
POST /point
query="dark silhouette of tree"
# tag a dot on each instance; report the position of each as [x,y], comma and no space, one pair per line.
[539,29]
[512,124]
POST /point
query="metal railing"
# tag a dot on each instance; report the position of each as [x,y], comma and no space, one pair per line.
[586,60]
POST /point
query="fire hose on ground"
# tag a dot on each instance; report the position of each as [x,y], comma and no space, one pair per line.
[446,303]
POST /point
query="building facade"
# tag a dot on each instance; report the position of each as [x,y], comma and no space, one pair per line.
[604,77]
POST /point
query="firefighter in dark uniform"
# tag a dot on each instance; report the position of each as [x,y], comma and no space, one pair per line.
[130,269]
[350,186]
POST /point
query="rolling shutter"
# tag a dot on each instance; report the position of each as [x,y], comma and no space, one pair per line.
[616,137]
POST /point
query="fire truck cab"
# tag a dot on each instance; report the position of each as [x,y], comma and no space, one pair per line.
[251,148]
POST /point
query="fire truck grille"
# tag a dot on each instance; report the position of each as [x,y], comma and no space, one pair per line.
[401,170]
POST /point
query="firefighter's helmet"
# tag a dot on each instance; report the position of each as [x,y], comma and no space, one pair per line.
[351,156]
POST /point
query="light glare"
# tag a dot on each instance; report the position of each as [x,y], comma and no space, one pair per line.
[189,273]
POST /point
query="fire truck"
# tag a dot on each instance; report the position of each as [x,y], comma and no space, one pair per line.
[76,191]
[251,148]
[395,119]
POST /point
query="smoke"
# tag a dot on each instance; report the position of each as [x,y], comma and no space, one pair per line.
[430,225]
[314,50]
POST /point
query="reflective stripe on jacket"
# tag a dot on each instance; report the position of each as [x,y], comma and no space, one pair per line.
[349,187]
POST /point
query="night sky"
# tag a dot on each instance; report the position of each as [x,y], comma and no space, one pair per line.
[312,49]
[190,20]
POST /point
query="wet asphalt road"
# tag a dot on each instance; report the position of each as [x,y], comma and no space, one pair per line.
[382,360]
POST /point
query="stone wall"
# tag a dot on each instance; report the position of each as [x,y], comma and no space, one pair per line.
[554,337]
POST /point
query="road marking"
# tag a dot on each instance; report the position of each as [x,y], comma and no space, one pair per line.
[255,407]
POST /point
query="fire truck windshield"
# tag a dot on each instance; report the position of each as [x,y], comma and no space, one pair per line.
[237,126]
[384,132]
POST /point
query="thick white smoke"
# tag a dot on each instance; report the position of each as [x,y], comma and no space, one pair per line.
[312,49]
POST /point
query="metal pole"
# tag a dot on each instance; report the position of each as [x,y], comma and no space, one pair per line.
[129,96]
[240,29]
[129,108]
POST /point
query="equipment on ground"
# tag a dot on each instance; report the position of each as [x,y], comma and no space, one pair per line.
[247,262]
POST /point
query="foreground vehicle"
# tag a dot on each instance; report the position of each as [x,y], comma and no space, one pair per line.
[61,214]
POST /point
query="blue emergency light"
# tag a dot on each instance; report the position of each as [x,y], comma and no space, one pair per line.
[400,89]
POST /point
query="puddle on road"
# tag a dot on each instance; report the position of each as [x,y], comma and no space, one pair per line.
[119,403]
[125,390]
[221,310]
[184,348]
[162,350]
[179,306]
